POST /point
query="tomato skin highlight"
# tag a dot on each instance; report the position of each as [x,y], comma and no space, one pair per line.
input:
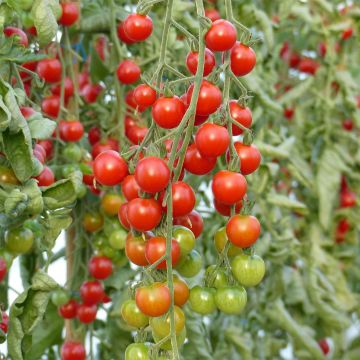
[243,230]
[73,350]
[192,61]
[221,36]
[49,70]
[155,248]
[128,72]
[138,27]
[143,214]
[168,112]
[242,59]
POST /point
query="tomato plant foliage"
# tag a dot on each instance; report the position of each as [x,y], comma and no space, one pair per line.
[202,159]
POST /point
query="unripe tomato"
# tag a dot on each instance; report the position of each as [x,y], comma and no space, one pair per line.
[231,299]
[153,300]
[130,188]
[155,248]
[144,95]
[3,269]
[111,203]
[229,187]
[117,239]
[138,27]
[248,270]
[224,209]
[250,157]
[221,36]
[220,240]
[192,61]
[73,350]
[197,164]
[143,214]
[168,112]
[100,267]
[202,300]
[109,168]
[49,70]
[69,310]
[135,249]
[7,176]
[19,240]
[50,105]
[20,36]
[161,325]
[68,88]
[71,130]
[86,313]
[243,230]
[128,72]
[217,277]
[132,315]
[122,34]
[242,59]
[185,238]
[137,351]
[92,222]
[191,265]
[192,221]
[59,297]
[241,115]
[92,292]
[70,13]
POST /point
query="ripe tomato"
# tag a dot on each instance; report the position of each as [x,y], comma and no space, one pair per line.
[46,177]
[153,300]
[70,13]
[91,292]
[111,203]
[212,140]
[324,345]
[248,270]
[231,299]
[48,146]
[192,221]
[7,176]
[109,168]
[19,240]
[221,36]
[27,112]
[71,130]
[191,265]
[242,59]
[50,105]
[202,300]
[90,92]
[92,222]
[69,310]
[132,314]
[68,88]
[181,291]
[308,66]
[195,163]
[49,70]
[137,133]
[143,214]
[4,323]
[122,34]
[348,125]
[225,210]
[209,99]
[128,72]
[100,267]
[86,313]
[135,249]
[243,230]
[212,14]
[137,351]
[185,239]
[217,277]
[220,240]
[138,27]
[144,95]
[168,112]
[130,101]
[99,147]
[241,115]
[192,61]
[73,350]
[346,34]
[152,174]
[20,36]
[289,113]
[3,269]
[122,215]
[161,325]
[155,248]
[347,199]
[130,188]
[94,135]
[250,157]
[228,187]
[30,65]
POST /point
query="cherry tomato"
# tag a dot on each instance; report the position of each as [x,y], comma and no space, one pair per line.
[144,95]
[132,315]
[308,66]
[30,65]
[202,300]
[192,61]
[155,248]
[221,36]
[346,34]
[212,14]
[7,176]
[117,239]
[94,135]
[20,36]
[68,88]
[228,187]
[138,27]
[143,214]
[250,157]
[242,59]
[243,230]
[100,267]
[241,115]
[19,240]
[347,199]
[220,240]
[128,72]
[91,292]
[27,112]
[152,174]
[217,277]
[69,310]
[135,249]
[191,265]
[248,270]
[137,351]
[122,34]
[348,125]
[324,345]
[130,188]
[231,299]
[212,140]
[209,99]
[168,112]
[181,291]
[153,300]
[225,210]
[109,168]
[48,146]
[192,221]
[90,92]
[161,325]
[92,222]
[4,323]
[49,70]
[185,239]
[86,313]
[137,134]
[195,163]
[71,130]
[111,203]
[50,105]
[73,350]
[122,215]
[130,101]
[3,269]
[70,13]
[100,147]
[46,177]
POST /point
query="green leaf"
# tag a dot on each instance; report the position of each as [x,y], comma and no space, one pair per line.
[5,115]
[61,194]
[98,71]
[52,228]
[286,202]
[40,127]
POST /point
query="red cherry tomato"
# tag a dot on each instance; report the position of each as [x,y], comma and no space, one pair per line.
[3,269]
[346,34]
[122,34]
[144,95]
[86,313]
[100,267]
[243,230]
[225,210]
[30,65]
[324,345]
[192,221]
[348,125]
[94,135]
[155,248]
[122,215]
[137,133]
[49,70]
[4,323]
[212,14]
[50,105]
[135,249]
[308,66]
[130,188]
[69,310]
[71,130]
[250,157]
[109,168]
[27,111]
[22,39]
[347,199]
[242,59]
[46,177]
[221,36]
[152,174]
[192,61]
[143,214]
[73,350]
[130,101]
[229,187]
[70,13]
[90,92]
[100,147]
[138,27]
[91,292]
[68,88]
[195,163]
[168,112]
[241,115]
[128,72]
[48,146]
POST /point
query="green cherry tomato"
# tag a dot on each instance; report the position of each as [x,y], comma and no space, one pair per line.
[72,152]
[19,240]
[138,351]
[117,239]
[202,300]
[132,314]
[191,266]
[59,297]
[180,339]
[231,299]
[248,270]
[220,239]
[161,325]
[68,169]
[185,238]
[218,278]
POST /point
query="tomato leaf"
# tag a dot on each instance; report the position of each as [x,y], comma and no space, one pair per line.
[5,115]
[40,127]
[98,71]
[286,202]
